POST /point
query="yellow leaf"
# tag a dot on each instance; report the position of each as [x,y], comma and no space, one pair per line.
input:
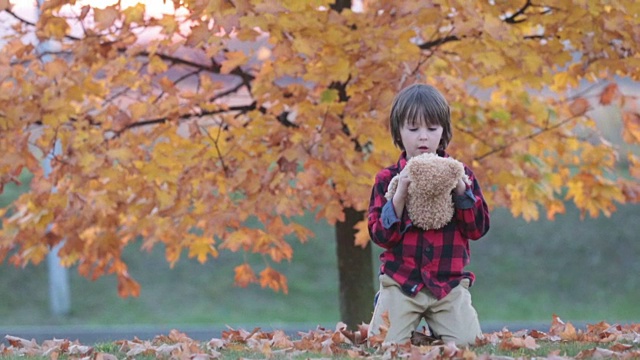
[157,65]
[237,240]
[165,198]
[35,253]
[138,110]
[96,88]
[75,93]
[134,14]
[55,27]
[332,212]
[201,248]
[234,59]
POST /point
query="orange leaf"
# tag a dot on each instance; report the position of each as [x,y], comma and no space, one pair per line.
[362,234]
[200,34]
[273,279]
[5,4]
[127,286]
[579,107]
[105,17]
[609,93]
[244,275]
[631,132]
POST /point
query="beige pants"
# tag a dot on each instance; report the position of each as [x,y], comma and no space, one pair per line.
[453,318]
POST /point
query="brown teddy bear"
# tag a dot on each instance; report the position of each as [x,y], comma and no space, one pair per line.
[429,201]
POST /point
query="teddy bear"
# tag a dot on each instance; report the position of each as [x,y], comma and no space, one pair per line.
[429,200]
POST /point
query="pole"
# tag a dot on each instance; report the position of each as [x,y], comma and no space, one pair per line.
[59,294]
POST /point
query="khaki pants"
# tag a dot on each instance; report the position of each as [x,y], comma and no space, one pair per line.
[452,318]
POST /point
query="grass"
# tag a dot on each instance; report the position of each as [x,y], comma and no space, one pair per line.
[620,343]
[581,270]
[567,350]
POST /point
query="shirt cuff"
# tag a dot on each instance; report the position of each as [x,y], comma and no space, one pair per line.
[466,200]
[389,215]
[389,218]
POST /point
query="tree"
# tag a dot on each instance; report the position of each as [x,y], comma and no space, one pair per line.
[178,127]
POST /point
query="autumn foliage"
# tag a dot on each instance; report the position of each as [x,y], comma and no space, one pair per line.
[177,127]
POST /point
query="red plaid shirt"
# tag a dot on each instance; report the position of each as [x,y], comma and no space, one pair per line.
[435,258]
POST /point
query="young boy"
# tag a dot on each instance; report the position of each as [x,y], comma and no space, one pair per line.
[422,273]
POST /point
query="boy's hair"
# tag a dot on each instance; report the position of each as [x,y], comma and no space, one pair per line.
[418,104]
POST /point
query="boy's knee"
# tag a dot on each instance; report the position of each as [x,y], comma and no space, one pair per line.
[462,340]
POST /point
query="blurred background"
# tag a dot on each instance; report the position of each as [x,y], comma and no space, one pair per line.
[582,270]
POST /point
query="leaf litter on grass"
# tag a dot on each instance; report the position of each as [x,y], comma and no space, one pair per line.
[562,341]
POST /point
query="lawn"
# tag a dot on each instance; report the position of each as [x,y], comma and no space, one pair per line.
[562,341]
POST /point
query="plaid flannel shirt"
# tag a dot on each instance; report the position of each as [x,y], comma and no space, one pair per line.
[435,258]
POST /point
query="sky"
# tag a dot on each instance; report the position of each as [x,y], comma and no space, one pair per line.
[154,7]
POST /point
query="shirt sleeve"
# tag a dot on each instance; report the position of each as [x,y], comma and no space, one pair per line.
[472,212]
[466,200]
[385,228]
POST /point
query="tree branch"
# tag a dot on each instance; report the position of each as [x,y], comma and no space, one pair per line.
[528,137]
[215,144]
[162,120]
[343,97]
[512,19]
[437,42]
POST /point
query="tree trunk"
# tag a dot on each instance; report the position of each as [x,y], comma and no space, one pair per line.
[355,270]
[339,5]
[355,265]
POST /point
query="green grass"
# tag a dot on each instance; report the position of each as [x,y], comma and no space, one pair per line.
[581,270]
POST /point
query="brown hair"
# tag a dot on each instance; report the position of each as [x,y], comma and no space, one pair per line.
[417,104]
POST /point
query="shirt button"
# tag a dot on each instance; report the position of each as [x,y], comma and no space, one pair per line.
[427,251]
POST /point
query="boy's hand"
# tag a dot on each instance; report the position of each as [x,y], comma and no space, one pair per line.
[461,187]
[400,197]
[403,185]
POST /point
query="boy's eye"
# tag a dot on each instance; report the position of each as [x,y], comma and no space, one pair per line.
[433,128]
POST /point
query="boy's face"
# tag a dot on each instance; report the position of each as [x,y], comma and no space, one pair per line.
[419,138]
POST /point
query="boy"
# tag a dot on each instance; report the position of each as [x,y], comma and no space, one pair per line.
[422,272]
